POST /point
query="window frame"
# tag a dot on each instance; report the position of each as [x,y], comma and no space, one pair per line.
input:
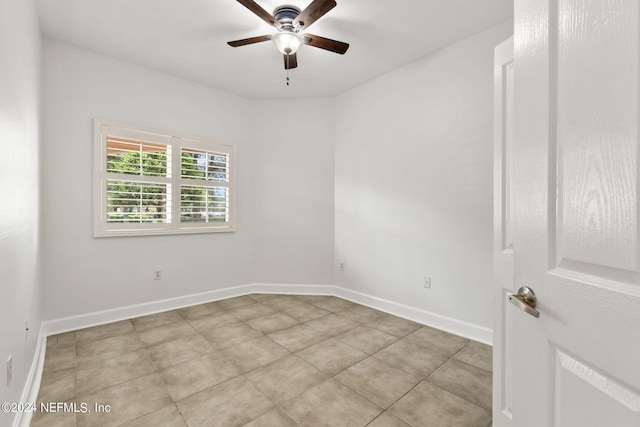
[176,141]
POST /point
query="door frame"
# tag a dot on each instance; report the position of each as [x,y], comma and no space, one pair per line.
[502,234]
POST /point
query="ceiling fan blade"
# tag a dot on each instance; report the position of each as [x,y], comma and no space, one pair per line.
[326,44]
[251,40]
[312,13]
[260,12]
[290,61]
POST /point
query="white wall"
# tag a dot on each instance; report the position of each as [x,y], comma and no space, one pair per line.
[19,181]
[414,182]
[293,187]
[83,274]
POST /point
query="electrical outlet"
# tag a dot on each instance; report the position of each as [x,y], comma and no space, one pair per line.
[427,282]
[341,266]
[157,275]
[9,369]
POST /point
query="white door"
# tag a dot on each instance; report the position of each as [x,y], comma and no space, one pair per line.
[575,213]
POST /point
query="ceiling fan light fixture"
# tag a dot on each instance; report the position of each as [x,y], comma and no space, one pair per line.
[287,42]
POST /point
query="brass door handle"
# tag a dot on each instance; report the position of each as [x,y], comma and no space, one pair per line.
[525,300]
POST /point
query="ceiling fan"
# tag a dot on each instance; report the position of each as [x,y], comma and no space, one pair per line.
[289,21]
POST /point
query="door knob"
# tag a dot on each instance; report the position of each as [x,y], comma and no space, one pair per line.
[525,300]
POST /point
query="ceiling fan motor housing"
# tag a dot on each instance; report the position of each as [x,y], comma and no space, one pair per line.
[285,15]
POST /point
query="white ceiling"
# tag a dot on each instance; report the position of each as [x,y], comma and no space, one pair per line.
[187,38]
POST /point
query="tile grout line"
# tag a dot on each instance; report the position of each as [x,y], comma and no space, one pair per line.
[452,392]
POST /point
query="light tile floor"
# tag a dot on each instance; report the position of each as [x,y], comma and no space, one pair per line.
[267,360]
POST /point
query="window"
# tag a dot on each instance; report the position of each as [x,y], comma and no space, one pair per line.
[150,182]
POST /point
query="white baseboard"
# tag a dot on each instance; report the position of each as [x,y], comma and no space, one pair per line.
[32,385]
[273,288]
[72,323]
[438,321]
[467,330]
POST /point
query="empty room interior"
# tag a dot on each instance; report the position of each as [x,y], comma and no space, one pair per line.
[203,234]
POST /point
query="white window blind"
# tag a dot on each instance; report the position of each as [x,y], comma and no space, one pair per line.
[137,157]
[139,170]
[138,201]
[206,199]
[204,165]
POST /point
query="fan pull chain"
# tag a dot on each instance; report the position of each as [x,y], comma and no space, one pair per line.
[287,77]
